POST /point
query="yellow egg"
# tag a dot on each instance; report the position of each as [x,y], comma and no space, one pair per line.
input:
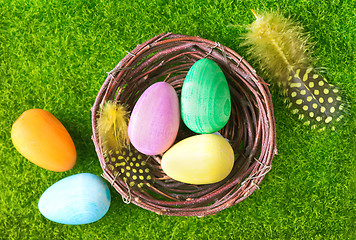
[201,159]
[42,139]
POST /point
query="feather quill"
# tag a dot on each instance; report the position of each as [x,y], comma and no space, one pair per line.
[281,48]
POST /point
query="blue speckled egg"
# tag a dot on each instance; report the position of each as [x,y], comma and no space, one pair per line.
[78,199]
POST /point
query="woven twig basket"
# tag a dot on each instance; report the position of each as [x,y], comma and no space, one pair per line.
[250,130]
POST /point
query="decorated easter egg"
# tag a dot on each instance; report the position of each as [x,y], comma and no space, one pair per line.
[41,138]
[205,98]
[200,159]
[154,120]
[77,199]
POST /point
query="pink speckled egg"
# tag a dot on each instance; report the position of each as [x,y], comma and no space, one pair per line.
[154,120]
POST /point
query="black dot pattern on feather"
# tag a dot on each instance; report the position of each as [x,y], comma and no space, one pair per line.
[130,166]
[313,98]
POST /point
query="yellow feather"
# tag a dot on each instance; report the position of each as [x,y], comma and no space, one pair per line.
[281,48]
[112,127]
[278,44]
[122,160]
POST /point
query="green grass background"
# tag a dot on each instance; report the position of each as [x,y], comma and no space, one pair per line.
[54,55]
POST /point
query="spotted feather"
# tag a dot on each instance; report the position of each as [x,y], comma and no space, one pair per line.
[122,159]
[283,52]
[130,166]
[312,97]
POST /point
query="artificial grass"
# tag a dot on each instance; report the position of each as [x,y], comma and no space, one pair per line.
[54,55]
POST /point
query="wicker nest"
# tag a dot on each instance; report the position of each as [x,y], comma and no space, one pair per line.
[251,128]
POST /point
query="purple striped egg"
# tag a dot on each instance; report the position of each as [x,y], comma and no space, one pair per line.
[154,120]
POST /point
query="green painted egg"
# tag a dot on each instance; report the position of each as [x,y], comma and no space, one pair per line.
[205,98]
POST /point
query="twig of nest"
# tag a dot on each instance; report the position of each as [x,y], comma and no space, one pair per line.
[250,130]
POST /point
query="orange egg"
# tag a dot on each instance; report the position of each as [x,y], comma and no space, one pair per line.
[42,139]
